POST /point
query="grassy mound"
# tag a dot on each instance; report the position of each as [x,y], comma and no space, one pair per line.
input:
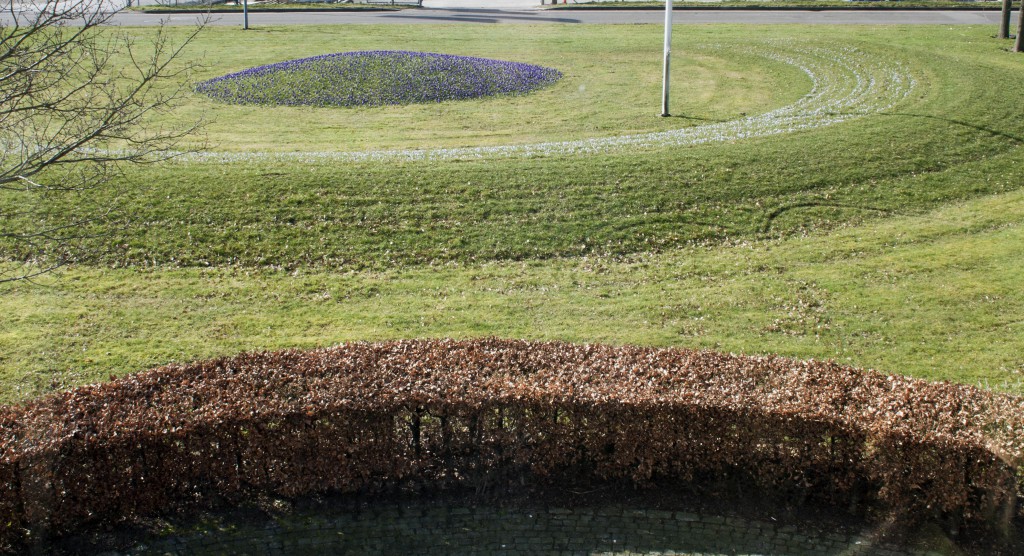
[891,240]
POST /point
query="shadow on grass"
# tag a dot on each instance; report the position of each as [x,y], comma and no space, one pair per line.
[962,123]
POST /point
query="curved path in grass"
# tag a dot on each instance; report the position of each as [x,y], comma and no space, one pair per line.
[846,83]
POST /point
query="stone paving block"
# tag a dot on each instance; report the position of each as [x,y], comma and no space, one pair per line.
[466,531]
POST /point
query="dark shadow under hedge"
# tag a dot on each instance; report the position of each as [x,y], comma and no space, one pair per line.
[485,414]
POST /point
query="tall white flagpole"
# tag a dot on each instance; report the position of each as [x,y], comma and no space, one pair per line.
[668,52]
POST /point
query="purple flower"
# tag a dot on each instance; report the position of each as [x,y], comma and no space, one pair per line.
[375,78]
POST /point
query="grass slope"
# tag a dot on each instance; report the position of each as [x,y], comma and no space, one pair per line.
[922,153]
[935,296]
[892,241]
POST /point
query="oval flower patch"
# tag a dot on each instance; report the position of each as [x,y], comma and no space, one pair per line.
[376,78]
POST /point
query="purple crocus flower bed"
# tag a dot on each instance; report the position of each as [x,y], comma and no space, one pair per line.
[375,78]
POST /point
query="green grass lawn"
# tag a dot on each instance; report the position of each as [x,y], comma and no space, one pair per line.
[611,85]
[891,241]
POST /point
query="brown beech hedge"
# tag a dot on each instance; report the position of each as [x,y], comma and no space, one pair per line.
[486,413]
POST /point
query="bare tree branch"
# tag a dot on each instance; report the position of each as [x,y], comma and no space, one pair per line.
[75,96]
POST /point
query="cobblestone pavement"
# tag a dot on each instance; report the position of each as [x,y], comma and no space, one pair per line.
[393,528]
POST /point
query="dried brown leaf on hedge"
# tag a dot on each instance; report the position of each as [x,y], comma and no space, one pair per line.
[364,415]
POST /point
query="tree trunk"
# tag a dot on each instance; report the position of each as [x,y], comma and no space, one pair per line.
[1018,46]
[1004,22]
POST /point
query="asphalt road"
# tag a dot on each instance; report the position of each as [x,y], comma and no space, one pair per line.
[477,15]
